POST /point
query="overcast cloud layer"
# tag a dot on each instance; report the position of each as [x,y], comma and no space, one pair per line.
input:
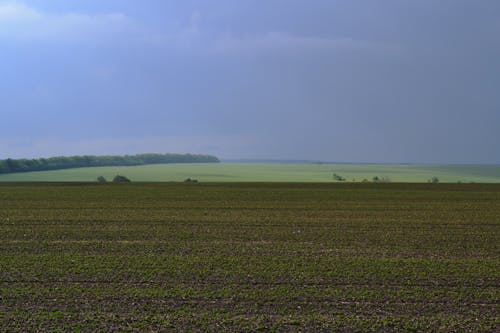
[360,81]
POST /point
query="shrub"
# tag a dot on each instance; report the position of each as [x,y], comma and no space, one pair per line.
[383,179]
[434,180]
[338,178]
[121,179]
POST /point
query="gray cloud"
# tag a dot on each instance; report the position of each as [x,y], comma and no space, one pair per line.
[379,81]
[289,43]
[24,23]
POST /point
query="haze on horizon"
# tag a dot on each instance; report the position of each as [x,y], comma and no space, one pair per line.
[382,81]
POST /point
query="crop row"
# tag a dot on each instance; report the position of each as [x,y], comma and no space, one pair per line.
[249,257]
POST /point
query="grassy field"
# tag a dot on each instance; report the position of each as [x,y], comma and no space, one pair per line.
[239,172]
[249,257]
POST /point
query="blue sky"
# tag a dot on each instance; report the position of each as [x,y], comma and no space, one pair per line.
[390,81]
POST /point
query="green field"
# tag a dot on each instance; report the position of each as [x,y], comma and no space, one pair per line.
[236,257]
[254,172]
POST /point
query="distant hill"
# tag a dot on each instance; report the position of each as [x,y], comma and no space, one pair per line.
[272,161]
[68,162]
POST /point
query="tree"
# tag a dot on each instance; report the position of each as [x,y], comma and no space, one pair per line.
[434,180]
[101,179]
[61,162]
[121,179]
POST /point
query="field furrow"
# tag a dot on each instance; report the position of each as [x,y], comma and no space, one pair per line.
[250,257]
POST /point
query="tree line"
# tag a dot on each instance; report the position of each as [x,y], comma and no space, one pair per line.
[67,162]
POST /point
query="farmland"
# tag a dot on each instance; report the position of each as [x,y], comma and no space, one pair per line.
[249,256]
[270,172]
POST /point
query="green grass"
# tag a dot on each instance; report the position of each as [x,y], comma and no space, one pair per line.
[239,172]
[236,257]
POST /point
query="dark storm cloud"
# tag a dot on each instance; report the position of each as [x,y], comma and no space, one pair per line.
[373,81]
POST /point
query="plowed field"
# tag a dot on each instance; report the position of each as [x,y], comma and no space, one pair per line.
[249,257]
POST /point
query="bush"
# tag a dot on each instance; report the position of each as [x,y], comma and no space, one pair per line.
[101,179]
[189,180]
[338,178]
[382,179]
[121,179]
[434,180]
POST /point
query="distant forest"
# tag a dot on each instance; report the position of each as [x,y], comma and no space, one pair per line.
[67,162]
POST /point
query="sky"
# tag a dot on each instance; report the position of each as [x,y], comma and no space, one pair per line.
[382,81]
